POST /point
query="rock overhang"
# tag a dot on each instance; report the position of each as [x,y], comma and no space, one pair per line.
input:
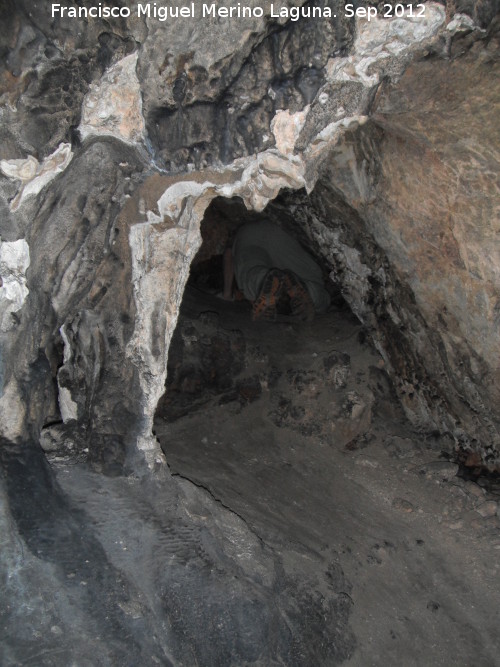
[296,147]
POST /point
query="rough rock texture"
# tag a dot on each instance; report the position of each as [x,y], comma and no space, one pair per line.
[80,264]
[424,177]
[419,543]
[128,571]
[210,366]
[213,95]
[430,135]
[115,137]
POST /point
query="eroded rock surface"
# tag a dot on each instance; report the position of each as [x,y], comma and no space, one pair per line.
[271,102]
[116,136]
[419,541]
[423,177]
[119,571]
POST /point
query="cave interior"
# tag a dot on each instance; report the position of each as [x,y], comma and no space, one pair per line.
[180,484]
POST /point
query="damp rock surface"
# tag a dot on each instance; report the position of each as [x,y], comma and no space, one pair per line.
[376,144]
[417,543]
[375,141]
[120,571]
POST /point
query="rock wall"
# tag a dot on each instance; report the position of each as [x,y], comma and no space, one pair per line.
[423,177]
[117,134]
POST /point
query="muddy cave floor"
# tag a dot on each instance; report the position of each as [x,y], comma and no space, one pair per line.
[322,456]
[305,524]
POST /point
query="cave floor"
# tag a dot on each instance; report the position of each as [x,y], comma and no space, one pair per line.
[323,459]
[302,522]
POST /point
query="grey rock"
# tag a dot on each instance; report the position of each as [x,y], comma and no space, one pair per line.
[400,448]
[440,470]
[487,509]
[366,157]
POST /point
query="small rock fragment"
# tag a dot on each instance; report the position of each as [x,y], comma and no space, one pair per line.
[367,463]
[489,508]
[402,504]
[474,490]
[442,470]
[400,448]
[473,460]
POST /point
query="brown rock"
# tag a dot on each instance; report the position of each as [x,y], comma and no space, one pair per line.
[487,509]
[402,505]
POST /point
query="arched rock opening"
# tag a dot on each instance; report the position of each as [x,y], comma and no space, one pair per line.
[210,364]
[222,362]
[321,141]
[376,143]
[429,370]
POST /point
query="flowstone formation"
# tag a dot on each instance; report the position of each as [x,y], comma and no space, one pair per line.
[115,136]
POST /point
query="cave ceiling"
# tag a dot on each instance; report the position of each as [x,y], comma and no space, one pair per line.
[116,134]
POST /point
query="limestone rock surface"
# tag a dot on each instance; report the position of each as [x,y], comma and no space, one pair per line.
[375,142]
[388,125]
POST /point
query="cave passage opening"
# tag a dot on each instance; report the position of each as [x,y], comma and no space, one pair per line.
[224,217]
[246,400]
[227,373]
